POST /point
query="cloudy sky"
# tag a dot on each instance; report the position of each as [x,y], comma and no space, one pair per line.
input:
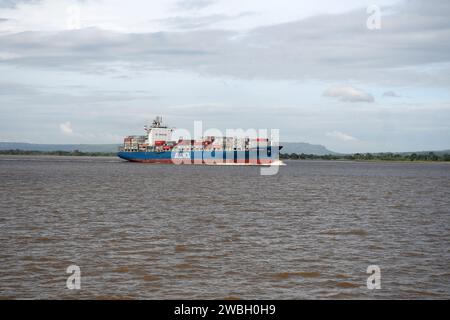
[93,71]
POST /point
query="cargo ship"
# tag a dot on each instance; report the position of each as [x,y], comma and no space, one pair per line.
[158,146]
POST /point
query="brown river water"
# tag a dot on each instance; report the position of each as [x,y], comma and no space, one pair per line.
[140,231]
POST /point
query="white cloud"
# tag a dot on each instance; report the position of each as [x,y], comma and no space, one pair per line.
[391,94]
[340,136]
[66,128]
[141,15]
[348,94]
[194,4]
[87,137]
[323,47]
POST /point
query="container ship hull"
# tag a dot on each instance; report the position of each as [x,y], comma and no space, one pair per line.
[261,157]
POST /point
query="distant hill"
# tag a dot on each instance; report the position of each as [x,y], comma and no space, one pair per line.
[306,148]
[288,147]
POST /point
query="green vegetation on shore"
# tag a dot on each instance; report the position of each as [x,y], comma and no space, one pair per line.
[75,153]
[430,156]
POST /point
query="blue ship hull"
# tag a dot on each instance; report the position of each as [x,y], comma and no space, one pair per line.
[256,157]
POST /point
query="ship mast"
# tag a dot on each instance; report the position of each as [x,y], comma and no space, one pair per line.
[157,123]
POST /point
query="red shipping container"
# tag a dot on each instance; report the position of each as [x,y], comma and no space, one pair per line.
[159,143]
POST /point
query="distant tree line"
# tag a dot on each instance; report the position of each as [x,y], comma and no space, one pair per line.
[75,153]
[431,156]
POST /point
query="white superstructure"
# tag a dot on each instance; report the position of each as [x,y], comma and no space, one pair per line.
[158,134]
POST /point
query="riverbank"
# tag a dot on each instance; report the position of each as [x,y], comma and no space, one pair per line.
[75,153]
[367,157]
[391,157]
